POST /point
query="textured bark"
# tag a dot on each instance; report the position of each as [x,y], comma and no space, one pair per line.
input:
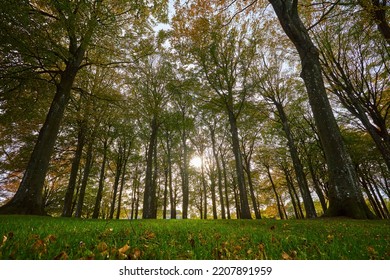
[28,198]
[345,196]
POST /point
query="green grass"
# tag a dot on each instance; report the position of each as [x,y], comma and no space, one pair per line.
[31,237]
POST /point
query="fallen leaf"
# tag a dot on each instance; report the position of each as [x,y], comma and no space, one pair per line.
[62,256]
[102,246]
[39,247]
[124,249]
[136,254]
[286,256]
[149,235]
[261,247]
[3,241]
[50,238]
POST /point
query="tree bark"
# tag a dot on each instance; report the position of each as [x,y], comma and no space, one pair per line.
[149,203]
[28,198]
[345,196]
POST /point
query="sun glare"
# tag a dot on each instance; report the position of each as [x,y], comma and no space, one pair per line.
[196,162]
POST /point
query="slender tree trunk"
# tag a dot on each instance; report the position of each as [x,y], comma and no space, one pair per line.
[278,203]
[204,185]
[244,204]
[226,181]
[99,195]
[118,212]
[213,195]
[66,212]
[251,188]
[219,172]
[345,196]
[87,170]
[185,180]
[290,186]
[149,203]
[298,167]
[118,172]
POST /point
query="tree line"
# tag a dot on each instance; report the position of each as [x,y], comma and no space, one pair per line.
[237,110]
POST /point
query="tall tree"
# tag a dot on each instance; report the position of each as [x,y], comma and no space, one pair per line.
[345,196]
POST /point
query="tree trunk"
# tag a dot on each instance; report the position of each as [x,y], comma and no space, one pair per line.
[345,196]
[204,185]
[298,167]
[66,212]
[149,204]
[278,203]
[185,180]
[87,169]
[244,204]
[219,173]
[118,172]
[226,181]
[118,212]
[28,198]
[99,195]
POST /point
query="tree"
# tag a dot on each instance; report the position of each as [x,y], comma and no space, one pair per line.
[345,196]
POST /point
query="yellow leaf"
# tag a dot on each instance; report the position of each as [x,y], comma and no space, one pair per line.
[136,254]
[4,240]
[286,256]
[102,246]
[124,249]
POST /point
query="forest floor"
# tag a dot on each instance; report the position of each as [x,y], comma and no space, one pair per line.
[33,238]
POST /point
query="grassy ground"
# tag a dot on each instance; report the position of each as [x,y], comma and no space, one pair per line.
[25,237]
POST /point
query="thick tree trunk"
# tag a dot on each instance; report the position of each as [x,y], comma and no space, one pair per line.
[28,198]
[345,196]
